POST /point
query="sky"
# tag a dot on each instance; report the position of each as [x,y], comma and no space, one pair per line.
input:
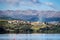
[30,4]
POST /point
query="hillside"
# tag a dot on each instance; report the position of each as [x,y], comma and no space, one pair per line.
[31,15]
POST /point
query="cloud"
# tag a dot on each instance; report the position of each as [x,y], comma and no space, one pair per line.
[35,1]
[2,1]
[22,2]
[49,3]
[12,2]
[16,2]
[29,3]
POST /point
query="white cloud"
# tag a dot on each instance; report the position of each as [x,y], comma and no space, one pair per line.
[48,3]
[29,3]
[15,2]
[18,2]
[22,1]
[34,0]
[12,2]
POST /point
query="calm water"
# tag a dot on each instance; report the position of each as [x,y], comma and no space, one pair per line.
[29,36]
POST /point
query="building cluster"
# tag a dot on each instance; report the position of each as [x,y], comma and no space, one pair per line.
[28,22]
[18,21]
[25,22]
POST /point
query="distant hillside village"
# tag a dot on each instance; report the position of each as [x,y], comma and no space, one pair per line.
[21,26]
[32,23]
[18,21]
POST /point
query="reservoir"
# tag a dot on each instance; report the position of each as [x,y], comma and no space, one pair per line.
[29,36]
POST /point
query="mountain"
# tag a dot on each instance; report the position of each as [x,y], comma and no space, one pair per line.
[31,18]
[30,15]
[52,19]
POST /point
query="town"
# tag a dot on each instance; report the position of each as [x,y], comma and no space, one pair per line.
[27,27]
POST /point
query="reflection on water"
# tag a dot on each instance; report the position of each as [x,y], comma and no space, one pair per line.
[29,36]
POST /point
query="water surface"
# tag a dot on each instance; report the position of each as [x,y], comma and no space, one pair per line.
[29,36]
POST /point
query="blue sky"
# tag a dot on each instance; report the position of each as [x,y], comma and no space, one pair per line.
[30,4]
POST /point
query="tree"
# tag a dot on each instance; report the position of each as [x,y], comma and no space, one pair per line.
[2,26]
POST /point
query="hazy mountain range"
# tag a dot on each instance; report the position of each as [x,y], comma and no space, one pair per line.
[30,15]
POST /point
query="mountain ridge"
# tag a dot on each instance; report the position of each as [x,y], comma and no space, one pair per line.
[31,15]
